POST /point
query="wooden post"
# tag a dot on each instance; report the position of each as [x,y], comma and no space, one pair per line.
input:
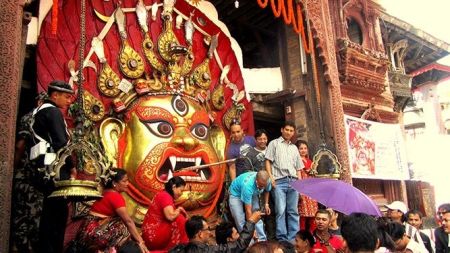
[320,20]
[11,64]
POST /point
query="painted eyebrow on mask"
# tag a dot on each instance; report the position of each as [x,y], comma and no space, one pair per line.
[149,113]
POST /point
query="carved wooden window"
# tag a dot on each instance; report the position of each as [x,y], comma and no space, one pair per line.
[397,54]
[354,31]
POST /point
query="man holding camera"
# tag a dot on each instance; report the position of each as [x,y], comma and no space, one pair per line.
[245,190]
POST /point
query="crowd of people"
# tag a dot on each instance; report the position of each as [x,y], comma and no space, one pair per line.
[266,213]
[260,187]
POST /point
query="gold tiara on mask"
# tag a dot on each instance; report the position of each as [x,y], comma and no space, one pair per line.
[171,63]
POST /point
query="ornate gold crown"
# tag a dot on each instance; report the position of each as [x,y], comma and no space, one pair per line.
[171,63]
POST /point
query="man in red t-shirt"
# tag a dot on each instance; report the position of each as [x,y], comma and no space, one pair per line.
[325,241]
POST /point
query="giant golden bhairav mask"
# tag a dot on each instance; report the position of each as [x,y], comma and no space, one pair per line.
[162,84]
[163,135]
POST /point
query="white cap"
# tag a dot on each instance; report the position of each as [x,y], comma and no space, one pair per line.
[398,205]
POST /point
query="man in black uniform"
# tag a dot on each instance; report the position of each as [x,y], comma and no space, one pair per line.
[49,124]
[442,233]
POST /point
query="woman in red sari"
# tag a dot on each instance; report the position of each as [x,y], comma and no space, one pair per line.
[108,224]
[307,207]
[163,225]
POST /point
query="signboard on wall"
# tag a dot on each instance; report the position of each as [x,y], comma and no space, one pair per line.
[376,150]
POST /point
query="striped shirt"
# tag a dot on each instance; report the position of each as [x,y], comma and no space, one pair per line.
[414,234]
[285,158]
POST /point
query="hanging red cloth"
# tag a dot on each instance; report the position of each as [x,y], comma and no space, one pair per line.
[54,17]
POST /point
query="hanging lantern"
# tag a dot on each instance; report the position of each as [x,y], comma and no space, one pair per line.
[78,189]
[89,157]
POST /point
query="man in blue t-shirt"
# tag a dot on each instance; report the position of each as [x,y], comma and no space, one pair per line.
[238,139]
[245,191]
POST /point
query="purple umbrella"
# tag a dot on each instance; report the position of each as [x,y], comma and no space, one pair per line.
[337,195]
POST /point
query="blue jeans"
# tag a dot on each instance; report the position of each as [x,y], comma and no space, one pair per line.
[286,209]
[238,213]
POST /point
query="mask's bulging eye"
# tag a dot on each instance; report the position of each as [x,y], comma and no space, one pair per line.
[200,131]
[160,128]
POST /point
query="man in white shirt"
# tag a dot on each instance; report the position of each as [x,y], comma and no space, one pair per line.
[414,218]
[402,241]
[397,213]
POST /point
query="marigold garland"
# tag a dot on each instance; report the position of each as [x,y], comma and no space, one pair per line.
[289,17]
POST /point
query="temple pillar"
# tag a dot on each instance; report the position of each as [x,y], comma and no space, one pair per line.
[319,15]
[11,62]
